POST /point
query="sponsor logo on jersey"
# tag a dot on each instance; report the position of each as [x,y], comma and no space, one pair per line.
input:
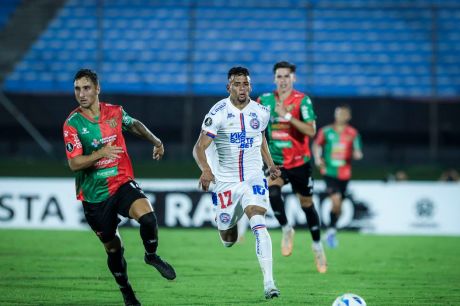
[253,115]
[224,218]
[305,114]
[69,147]
[95,143]
[208,121]
[230,115]
[109,139]
[84,131]
[112,123]
[76,141]
[240,137]
[218,108]
[254,123]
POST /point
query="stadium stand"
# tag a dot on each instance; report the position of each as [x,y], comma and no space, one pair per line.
[7,8]
[343,48]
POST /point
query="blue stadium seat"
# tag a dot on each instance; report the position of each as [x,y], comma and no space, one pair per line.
[349,48]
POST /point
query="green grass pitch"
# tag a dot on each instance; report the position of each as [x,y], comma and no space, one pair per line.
[69,268]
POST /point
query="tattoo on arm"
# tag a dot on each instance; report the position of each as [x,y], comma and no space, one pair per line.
[140,130]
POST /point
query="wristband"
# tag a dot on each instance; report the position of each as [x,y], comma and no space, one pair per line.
[288,116]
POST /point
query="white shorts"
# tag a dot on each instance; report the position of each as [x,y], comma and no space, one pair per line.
[231,199]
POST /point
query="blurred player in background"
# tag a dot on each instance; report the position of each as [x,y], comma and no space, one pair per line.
[291,126]
[230,152]
[334,148]
[96,152]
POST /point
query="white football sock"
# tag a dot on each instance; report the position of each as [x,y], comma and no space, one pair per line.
[263,247]
[286,228]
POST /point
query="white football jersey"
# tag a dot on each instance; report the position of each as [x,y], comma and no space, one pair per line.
[235,153]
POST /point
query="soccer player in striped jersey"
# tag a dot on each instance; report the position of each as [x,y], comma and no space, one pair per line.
[334,147]
[96,152]
[288,134]
[230,152]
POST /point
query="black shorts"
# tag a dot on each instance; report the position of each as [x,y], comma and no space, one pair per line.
[300,179]
[334,185]
[103,218]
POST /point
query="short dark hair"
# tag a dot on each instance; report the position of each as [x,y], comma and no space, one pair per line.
[345,106]
[284,64]
[92,75]
[237,71]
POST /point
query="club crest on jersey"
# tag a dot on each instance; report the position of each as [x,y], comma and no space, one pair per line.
[254,123]
[208,121]
[69,147]
[112,123]
[224,218]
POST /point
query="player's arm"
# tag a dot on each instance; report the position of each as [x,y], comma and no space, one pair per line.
[81,162]
[357,145]
[139,129]
[317,149]
[203,142]
[267,157]
[74,150]
[307,128]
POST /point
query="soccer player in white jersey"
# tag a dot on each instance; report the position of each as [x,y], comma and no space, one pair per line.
[230,152]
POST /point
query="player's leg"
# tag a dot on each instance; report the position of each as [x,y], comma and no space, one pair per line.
[256,216]
[242,227]
[142,211]
[331,234]
[102,218]
[336,189]
[277,204]
[302,185]
[229,236]
[118,266]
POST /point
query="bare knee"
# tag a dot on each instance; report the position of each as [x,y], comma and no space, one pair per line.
[305,201]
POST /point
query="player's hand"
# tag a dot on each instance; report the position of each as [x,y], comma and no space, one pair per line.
[274,172]
[205,180]
[158,152]
[280,109]
[319,162]
[357,155]
[110,152]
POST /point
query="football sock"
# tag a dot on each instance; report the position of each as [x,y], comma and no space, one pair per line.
[312,222]
[277,203]
[118,267]
[149,232]
[334,218]
[263,246]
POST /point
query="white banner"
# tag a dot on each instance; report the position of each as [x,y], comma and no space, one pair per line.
[428,208]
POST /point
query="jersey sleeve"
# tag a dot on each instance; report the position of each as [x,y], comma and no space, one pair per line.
[126,119]
[211,124]
[72,142]
[306,110]
[357,143]
[320,140]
